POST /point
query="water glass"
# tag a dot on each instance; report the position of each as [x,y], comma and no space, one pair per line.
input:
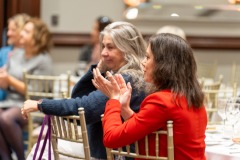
[233,112]
[221,108]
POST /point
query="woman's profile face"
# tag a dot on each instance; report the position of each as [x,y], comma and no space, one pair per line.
[148,65]
[27,34]
[112,57]
[13,33]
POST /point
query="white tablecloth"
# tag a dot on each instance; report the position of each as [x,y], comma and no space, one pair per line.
[221,152]
[220,147]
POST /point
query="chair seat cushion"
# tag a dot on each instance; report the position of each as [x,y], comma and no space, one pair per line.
[72,148]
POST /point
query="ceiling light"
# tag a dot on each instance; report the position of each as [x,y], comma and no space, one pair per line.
[174,15]
[132,13]
[234,1]
[198,7]
[157,6]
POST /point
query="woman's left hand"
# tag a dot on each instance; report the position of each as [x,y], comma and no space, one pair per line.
[109,86]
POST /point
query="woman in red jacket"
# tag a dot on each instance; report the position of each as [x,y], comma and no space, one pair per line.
[174,94]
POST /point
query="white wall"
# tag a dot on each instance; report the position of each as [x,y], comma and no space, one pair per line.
[223,58]
[65,59]
[194,28]
[76,16]
[79,15]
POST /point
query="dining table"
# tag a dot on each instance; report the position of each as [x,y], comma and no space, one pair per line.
[219,144]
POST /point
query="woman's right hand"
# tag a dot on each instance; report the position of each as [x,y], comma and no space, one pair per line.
[29,106]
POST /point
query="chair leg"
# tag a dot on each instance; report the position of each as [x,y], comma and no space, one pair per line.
[109,155]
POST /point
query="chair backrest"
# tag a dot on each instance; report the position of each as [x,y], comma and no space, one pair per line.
[45,86]
[235,73]
[212,86]
[126,152]
[211,90]
[66,128]
[212,97]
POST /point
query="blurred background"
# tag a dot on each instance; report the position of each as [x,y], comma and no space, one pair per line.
[212,27]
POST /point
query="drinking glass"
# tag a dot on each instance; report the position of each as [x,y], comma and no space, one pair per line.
[221,108]
[233,112]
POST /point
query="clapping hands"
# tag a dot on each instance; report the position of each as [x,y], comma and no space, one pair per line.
[114,87]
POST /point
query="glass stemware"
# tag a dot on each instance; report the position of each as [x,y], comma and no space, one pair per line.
[233,112]
[221,108]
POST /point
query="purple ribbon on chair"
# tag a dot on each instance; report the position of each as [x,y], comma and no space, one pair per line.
[46,121]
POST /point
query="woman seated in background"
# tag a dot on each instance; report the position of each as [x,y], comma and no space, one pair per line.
[122,49]
[15,25]
[35,40]
[175,95]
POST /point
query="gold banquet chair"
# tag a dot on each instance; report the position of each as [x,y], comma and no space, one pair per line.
[211,90]
[38,87]
[212,96]
[66,129]
[126,152]
[215,85]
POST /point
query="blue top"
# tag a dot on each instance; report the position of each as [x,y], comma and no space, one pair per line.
[4,51]
[85,95]
[4,54]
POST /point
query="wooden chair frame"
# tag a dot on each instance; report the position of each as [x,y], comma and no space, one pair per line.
[127,153]
[43,86]
[213,95]
[66,128]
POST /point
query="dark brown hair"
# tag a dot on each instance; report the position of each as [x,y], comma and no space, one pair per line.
[175,68]
[103,21]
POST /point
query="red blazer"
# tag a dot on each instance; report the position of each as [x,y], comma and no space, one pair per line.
[189,125]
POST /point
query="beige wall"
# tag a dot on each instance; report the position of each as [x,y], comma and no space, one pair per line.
[224,59]
[66,58]
[79,15]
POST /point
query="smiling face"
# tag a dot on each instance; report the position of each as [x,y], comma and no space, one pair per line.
[13,33]
[27,35]
[111,55]
[148,66]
